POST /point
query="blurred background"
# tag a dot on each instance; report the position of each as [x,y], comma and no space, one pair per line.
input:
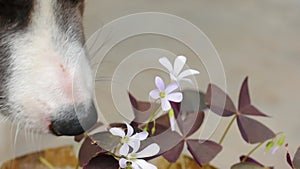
[255,38]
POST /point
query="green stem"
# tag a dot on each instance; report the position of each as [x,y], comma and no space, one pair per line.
[252,151]
[182,162]
[170,165]
[46,163]
[227,129]
[152,117]
[256,147]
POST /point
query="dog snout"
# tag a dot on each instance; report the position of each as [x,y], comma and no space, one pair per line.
[73,120]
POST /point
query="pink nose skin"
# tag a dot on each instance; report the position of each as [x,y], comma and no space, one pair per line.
[72,121]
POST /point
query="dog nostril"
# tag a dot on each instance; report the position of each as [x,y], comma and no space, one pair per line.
[72,121]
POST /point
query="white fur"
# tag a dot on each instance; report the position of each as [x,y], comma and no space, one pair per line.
[50,70]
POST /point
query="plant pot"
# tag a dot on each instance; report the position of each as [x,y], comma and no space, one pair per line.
[184,162]
[65,158]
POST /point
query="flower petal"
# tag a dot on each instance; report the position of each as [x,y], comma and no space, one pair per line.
[175,97]
[135,166]
[117,132]
[155,94]
[149,151]
[124,150]
[187,72]
[178,64]
[274,150]
[145,165]
[141,136]
[165,104]
[160,84]
[123,163]
[187,80]
[173,77]
[129,130]
[171,87]
[135,144]
[166,63]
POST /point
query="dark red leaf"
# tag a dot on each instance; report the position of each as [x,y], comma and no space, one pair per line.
[289,160]
[193,101]
[118,125]
[251,160]
[105,140]
[102,162]
[219,102]
[162,125]
[167,140]
[296,160]
[253,131]
[176,108]
[245,106]
[244,98]
[189,123]
[247,165]
[173,154]
[142,110]
[88,150]
[203,151]
[251,110]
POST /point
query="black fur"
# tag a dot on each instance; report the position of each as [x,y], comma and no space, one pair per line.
[15,14]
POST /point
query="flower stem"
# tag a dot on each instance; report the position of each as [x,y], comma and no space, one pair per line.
[182,162]
[46,163]
[252,151]
[152,117]
[227,129]
[256,147]
[170,165]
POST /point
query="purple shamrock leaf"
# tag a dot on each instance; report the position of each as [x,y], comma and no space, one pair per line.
[105,140]
[245,106]
[203,151]
[247,165]
[193,101]
[88,150]
[295,163]
[142,110]
[296,160]
[219,102]
[289,160]
[102,162]
[173,154]
[189,123]
[173,138]
[251,160]
[253,131]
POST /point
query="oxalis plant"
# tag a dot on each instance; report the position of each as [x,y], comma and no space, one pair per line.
[163,126]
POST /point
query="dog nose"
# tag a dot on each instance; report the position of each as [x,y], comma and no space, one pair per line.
[73,120]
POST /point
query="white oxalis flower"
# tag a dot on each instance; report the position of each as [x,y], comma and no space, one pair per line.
[165,94]
[128,139]
[134,160]
[176,73]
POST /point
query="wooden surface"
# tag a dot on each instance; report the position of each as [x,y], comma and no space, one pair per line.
[62,158]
